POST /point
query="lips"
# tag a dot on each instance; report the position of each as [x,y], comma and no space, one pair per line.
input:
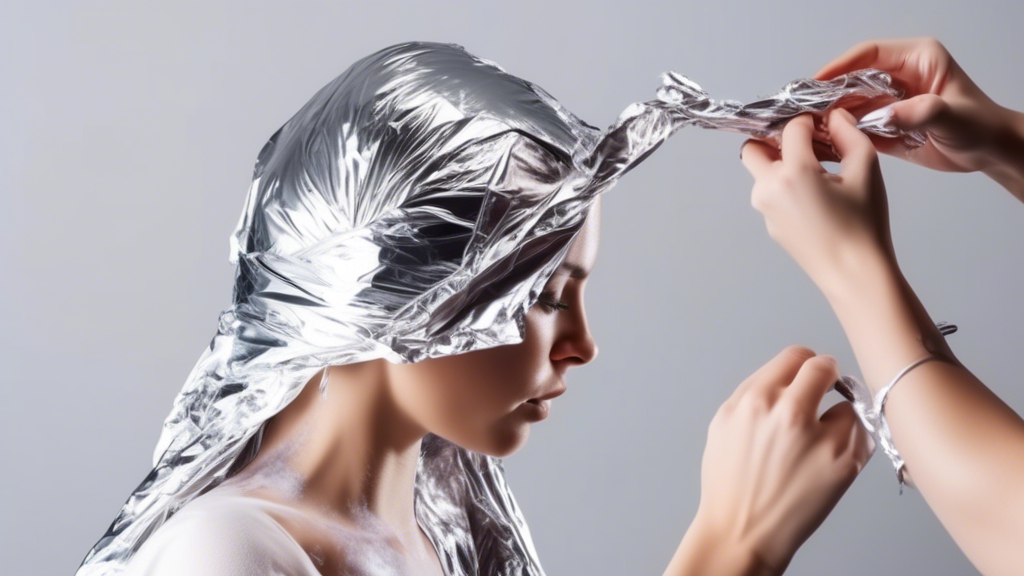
[553,394]
[538,409]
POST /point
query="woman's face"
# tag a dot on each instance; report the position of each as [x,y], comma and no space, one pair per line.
[481,400]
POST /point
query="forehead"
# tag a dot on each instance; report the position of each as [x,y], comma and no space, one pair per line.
[579,260]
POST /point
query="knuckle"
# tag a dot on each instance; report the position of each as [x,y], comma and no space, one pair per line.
[932,44]
[933,104]
[823,365]
[871,154]
[865,45]
[790,177]
[754,403]
[757,199]
[792,415]
[724,410]
[788,173]
[722,417]
[764,197]
[716,421]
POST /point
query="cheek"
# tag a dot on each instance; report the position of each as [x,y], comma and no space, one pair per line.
[475,390]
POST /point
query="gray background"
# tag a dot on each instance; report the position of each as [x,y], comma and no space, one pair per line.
[129,136]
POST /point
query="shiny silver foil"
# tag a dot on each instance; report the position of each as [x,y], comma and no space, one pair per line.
[414,208]
[765,118]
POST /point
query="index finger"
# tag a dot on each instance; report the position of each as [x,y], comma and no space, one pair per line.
[797,136]
[779,371]
[885,54]
[758,157]
[816,377]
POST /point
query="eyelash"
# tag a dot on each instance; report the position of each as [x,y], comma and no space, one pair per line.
[548,302]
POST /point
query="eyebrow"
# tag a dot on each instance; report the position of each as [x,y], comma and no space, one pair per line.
[575,270]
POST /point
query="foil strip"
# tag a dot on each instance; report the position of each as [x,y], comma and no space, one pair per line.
[765,118]
[414,208]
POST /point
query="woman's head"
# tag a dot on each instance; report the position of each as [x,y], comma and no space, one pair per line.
[408,213]
[480,400]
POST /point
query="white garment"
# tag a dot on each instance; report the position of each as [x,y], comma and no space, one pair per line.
[224,534]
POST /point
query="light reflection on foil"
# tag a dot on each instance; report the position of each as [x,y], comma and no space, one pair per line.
[414,208]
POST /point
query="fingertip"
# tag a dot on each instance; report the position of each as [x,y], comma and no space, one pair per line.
[843,388]
[825,72]
[844,114]
[830,359]
[799,124]
[806,118]
[830,364]
[800,352]
[758,153]
[844,132]
[744,145]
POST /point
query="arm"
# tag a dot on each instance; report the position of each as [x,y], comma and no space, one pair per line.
[772,469]
[704,552]
[963,447]
[967,131]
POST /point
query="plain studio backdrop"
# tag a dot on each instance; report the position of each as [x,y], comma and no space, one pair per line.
[129,136]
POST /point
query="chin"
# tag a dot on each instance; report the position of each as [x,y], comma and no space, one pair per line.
[506,441]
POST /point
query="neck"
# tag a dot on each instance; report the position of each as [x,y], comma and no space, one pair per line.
[352,452]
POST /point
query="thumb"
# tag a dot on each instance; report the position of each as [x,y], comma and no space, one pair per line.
[854,147]
[923,112]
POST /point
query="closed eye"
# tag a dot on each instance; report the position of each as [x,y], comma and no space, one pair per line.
[548,301]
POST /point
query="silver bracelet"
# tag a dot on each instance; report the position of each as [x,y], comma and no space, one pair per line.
[870,409]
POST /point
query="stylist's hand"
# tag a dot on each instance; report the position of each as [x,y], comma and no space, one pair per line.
[831,224]
[772,469]
[966,130]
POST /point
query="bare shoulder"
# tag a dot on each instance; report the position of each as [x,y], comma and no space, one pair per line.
[226,536]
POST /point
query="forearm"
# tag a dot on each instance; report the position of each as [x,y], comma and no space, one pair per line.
[703,552]
[1007,166]
[963,447]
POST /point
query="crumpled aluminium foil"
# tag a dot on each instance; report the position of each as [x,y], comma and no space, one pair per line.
[765,118]
[414,208]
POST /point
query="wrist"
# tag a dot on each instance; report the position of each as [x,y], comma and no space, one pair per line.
[856,268]
[884,321]
[707,550]
[1007,153]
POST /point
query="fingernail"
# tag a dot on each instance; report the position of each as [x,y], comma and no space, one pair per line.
[741,148]
[843,389]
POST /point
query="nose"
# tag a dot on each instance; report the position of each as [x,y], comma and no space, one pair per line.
[588,349]
[576,344]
